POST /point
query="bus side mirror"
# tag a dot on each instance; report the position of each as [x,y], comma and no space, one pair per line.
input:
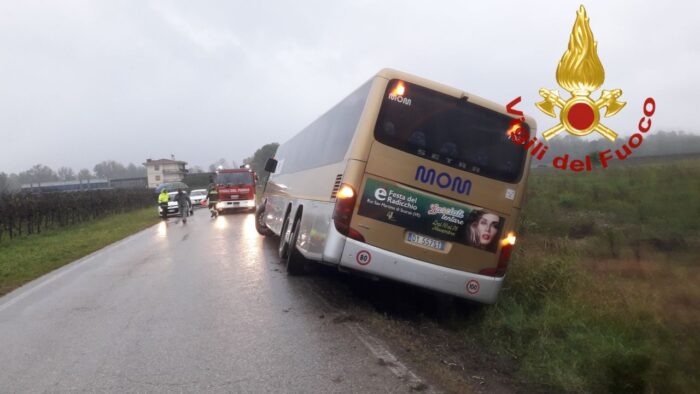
[271,165]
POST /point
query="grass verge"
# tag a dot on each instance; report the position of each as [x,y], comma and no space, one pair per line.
[27,258]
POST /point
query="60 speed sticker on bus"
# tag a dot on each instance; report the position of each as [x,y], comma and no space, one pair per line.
[363,257]
[473,287]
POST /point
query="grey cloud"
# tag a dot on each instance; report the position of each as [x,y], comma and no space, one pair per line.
[86,81]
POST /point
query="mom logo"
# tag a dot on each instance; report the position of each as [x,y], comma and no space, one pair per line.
[443,180]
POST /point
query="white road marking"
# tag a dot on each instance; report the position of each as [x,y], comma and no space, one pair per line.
[30,288]
[381,352]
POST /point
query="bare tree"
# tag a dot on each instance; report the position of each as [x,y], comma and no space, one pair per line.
[110,169]
[85,174]
[133,171]
[4,181]
[259,158]
[219,163]
[66,174]
[39,173]
[9,183]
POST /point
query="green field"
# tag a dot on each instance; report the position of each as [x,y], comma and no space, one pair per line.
[602,294]
[27,258]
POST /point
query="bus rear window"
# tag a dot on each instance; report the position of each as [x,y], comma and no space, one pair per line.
[445,129]
[234,178]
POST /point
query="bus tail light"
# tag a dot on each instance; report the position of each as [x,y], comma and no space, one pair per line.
[354,234]
[506,249]
[342,214]
[399,89]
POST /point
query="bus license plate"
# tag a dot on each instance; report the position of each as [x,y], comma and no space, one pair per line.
[422,240]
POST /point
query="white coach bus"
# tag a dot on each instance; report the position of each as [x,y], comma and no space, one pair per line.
[405,179]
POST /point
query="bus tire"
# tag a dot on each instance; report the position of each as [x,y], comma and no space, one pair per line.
[259,224]
[295,261]
[283,248]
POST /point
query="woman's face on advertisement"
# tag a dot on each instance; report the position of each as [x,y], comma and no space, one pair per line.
[487,227]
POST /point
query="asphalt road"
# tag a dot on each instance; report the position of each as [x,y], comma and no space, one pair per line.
[202,306]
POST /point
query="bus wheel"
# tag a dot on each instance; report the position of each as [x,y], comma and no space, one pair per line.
[259,222]
[295,260]
[284,239]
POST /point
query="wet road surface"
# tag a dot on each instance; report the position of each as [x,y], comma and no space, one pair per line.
[202,306]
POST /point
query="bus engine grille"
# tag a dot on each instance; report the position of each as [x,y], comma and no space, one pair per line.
[336,185]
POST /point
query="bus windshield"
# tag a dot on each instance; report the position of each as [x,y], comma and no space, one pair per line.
[448,130]
[234,178]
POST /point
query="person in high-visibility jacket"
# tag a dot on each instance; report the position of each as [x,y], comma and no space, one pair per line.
[163,199]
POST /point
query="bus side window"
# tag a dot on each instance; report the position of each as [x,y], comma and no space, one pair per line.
[482,156]
[389,128]
[417,139]
[449,149]
[508,167]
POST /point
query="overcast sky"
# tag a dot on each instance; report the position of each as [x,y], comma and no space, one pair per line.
[86,81]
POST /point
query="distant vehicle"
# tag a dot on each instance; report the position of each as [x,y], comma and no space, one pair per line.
[172,187]
[405,179]
[197,196]
[235,188]
[173,207]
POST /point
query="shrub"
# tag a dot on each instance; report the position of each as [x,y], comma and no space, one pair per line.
[29,213]
[568,200]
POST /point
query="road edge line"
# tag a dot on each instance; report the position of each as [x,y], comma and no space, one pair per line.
[381,352]
[29,288]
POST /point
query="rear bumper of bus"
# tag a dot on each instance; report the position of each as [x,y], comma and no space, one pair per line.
[376,261]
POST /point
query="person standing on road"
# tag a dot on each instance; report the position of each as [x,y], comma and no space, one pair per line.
[183,202]
[163,202]
[212,197]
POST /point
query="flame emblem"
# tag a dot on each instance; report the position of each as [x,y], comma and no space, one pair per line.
[581,73]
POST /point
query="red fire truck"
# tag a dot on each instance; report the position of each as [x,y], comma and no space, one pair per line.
[233,189]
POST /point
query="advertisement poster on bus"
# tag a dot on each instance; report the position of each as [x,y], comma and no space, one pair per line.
[430,215]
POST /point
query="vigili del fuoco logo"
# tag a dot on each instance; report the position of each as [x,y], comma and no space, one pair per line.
[581,73]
